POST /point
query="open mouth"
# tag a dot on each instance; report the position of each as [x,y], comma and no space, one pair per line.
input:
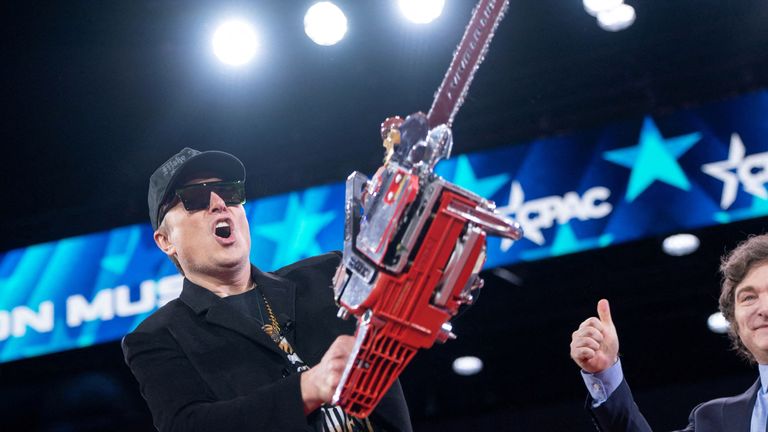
[223,229]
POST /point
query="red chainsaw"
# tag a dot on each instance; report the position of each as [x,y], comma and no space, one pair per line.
[414,243]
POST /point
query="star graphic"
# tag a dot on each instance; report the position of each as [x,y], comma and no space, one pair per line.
[653,158]
[295,235]
[750,171]
[514,203]
[486,187]
[758,208]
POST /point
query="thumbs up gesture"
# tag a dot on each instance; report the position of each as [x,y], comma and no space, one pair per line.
[595,344]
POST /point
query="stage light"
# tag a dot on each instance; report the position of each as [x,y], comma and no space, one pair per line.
[468,365]
[422,11]
[717,323]
[508,276]
[235,42]
[594,7]
[617,18]
[325,23]
[680,244]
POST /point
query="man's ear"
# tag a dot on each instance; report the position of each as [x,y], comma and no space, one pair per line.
[163,242]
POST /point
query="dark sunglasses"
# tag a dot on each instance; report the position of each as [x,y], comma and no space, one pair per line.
[198,196]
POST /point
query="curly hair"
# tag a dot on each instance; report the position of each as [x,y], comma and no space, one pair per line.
[734,267]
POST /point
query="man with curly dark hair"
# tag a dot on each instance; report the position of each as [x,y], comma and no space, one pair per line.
[743,302]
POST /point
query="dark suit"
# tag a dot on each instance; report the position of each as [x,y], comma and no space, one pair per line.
[203,366]
[730,414]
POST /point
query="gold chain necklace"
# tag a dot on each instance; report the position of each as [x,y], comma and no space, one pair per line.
[273,331]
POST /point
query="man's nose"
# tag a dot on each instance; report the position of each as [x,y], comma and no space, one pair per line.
[762,304]
[216,204]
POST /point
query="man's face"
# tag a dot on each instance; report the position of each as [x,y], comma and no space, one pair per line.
[751,311]
[200,248]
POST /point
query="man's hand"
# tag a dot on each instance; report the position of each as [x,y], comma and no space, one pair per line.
[319,383]
[595,345]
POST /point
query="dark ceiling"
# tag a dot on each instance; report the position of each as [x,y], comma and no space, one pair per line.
[97,94]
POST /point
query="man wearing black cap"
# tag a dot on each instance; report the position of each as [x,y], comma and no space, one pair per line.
[234,351]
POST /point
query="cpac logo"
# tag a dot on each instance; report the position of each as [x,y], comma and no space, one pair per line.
[541,213]
[751,171]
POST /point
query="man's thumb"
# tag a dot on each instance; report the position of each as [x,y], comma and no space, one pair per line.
[604,311]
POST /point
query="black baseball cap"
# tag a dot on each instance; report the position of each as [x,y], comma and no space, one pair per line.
[182,166]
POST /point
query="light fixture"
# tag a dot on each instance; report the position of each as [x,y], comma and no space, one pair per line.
[422,11]
[594,7]
[717,323]
[507,276]
[235,42]
[325,23]
[467,365]
[617,18]
[680,244]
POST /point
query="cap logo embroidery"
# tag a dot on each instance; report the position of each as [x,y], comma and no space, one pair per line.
[172,164]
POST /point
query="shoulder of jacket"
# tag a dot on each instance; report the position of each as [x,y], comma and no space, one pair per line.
[714,406]
[164,317]
[329,260]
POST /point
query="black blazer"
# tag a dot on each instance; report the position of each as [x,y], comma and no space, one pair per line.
[203,366]
[730,414]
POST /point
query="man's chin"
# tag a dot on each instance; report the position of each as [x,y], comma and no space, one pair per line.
[230,259]
[760,355]
[234,263]
[759,346]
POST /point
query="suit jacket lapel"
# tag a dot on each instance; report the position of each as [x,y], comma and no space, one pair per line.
[737,410]
[217,312]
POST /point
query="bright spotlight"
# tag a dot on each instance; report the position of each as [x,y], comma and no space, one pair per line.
[235,42]
[680,244]
[468,365]
[594,7]
[617,18]
[422,11]
[325,23]
[717,323]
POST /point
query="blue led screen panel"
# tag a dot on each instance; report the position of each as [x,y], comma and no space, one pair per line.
[621,182]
